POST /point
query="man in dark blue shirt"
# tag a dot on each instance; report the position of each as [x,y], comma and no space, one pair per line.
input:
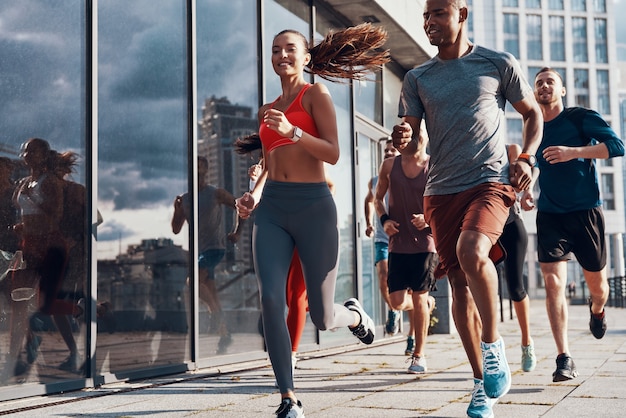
[569,208]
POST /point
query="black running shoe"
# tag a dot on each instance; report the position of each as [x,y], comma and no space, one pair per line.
[597,325]
[565,369]
[289,409]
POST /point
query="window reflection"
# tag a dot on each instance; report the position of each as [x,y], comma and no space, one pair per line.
[43,255]
[143,157]
[228,102]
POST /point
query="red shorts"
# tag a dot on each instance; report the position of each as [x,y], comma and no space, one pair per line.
[483,208]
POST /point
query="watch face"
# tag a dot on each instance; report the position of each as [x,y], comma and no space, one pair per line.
[532,160]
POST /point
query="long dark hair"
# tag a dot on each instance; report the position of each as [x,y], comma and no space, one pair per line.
[350,53]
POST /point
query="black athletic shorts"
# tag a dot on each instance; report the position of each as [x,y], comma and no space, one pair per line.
[580,233]
[412,271]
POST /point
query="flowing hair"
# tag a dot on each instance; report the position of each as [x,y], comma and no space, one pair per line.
[248,144]
[351,53]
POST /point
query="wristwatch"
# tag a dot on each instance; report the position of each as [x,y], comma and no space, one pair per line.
[528,158]
[297,134]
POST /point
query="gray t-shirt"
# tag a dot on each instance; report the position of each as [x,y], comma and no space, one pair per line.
[462,101]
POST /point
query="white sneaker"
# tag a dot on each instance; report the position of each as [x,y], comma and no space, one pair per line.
[366,329]
[289,409]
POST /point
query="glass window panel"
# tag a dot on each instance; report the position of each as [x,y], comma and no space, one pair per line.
[368,97]
[532,72]
[555,4]
[511,33]
[533,35]
[581,87]
[601,41]
[510,3]
[43,91]
[533,4]
[579,5]
[579,37]
[228,104]
[608,196]
[599,6]
[143,156]
[514,131]
[604,99]
[557,38]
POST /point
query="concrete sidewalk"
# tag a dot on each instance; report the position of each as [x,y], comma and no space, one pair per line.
[371,381]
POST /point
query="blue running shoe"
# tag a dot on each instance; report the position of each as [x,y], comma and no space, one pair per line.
[496,372]
[481,406]
[393,322]
[529,361]
[418,365]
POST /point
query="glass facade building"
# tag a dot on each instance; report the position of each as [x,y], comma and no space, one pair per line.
[149,95]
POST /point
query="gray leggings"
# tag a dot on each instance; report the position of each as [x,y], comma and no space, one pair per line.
[301,215]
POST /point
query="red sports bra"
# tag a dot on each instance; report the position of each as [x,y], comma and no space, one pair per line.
[296,114]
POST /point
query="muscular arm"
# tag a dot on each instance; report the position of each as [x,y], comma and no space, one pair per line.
[178,218]
[520,173]
[560,154]
[224,197]
[368,205]
[390,226]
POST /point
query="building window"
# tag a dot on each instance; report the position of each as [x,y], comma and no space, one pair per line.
[601,45]
[604,101]
[510,3]
[533,34]
[532,72]
[581,87]
[514,131]
[599,6]
[608,197]
[579,37]
[622,112]
[511,34]
[579,5]
[555,4]
[557,38]
[533,4]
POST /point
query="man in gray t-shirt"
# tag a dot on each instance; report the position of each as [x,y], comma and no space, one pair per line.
[461,93]
[211,241]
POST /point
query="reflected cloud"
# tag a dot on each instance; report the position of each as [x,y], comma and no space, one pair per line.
[127,187]
[113,230]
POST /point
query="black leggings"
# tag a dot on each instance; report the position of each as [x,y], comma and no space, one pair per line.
[514,239]
[302,216]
